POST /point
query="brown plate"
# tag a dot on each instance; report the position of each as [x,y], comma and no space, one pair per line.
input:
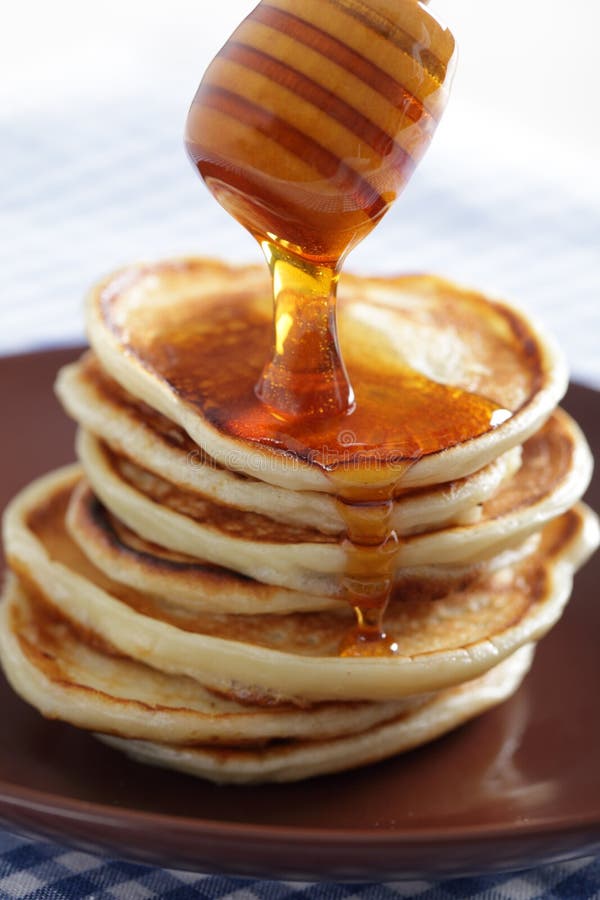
[516,787]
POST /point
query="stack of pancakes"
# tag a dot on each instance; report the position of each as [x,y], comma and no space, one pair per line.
[179,592]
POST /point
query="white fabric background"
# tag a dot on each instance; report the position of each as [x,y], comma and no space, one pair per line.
[93,99]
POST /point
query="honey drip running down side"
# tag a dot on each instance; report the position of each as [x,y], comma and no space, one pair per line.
[306,127]
[371,546]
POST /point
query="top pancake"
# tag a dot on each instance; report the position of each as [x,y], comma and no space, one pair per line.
[190,338]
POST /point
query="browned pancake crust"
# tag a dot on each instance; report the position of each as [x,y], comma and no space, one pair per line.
[494,602]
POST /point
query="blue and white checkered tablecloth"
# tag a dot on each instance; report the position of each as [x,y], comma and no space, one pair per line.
[46,871]
[84,194]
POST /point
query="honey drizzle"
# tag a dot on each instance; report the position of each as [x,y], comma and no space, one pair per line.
[306,376]
[372,547]
[309,173]
[213,362]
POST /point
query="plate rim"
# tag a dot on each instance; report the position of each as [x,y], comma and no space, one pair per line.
[25,797]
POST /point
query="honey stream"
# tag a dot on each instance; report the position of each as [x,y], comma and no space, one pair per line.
[306,127]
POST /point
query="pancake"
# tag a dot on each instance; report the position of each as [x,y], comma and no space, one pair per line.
[295,657]
[304,759]
[201,587]
[176,723]
[147,324]
[181,592]
[54,668]
[194,584]
[555,471]
[133,430]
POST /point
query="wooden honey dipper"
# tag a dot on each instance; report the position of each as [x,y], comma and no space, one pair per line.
[306,126]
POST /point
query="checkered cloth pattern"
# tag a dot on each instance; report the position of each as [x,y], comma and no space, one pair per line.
[87,192]
[45,871]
